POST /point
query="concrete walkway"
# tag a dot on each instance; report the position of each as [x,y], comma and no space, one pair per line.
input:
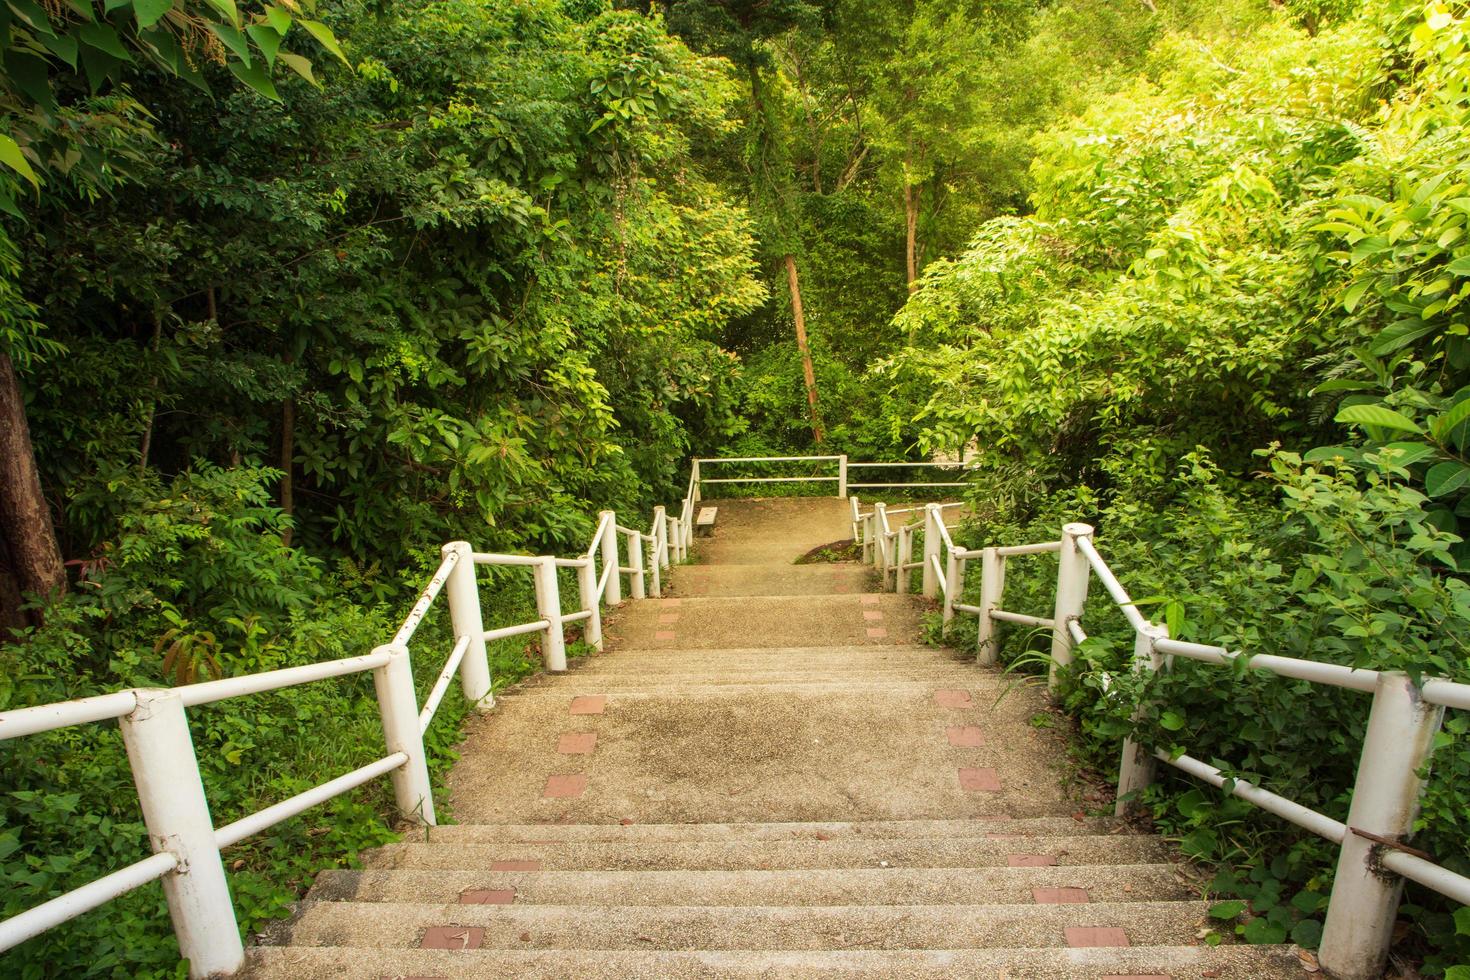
[765,776]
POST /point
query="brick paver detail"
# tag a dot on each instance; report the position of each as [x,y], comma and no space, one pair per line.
[983,780]
[965,736]
[516,864]
[452,937]
[565,785]
[1059,896]
[576,743]
[487,896]
[589,704]
[953,699]
[1086,937]
[1031,860]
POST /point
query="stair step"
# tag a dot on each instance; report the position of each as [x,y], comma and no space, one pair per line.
[480,833]
[773,579]
[884,886]
[975,852]
[697,927]
[711,623]
[1236,962]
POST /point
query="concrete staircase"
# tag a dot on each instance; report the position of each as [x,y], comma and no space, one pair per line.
[765,776]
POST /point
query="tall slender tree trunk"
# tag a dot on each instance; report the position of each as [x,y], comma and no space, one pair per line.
[152,396]
[806,354]
[288,453]
[911,233]
[31,548]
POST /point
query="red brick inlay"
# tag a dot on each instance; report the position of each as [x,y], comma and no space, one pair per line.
[868,600]
[1030,860]
[953,699]
[487,896]
[1084,937]
[1138,976]
[400,976]
[576,743]
[876,632]
[979,781]
[589,704]
[565,785]
[872,614]
[663,635]
[1059,896]
[965,736]
[516,864]
[675,603]
[452,937]
[668,617]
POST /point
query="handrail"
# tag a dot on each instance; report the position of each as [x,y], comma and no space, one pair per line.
[166,772]
[426,598]
[1401,725]
[260,820]
[441,684]
[63,908]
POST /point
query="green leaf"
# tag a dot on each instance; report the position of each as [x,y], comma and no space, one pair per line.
[325,38]
[232,39]
[1378,415]
[1446,478]
[299,65]
[1443,426]
[256,78]
[1409,453]
[1261,932]
[1354,294]
[1343,384]
[149,12]
[1307,933]
[227,7]
[104,39]
[1321,453]
[1171,720]
[279,18]
[12,157]
[1227,910]
[267,40]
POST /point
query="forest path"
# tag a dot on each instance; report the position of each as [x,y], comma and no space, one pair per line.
[764,774]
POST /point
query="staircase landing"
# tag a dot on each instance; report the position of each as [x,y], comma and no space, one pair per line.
[765,775]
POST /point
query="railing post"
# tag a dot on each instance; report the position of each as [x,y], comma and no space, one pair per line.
[1136,765]
[614,594]
[635,565]
[676,537]
[398,708]
[698,496]
[954,577]
[1072,576]
[175,810]
[463,591]
[933,542]
[901,574]
[880,542]
[659,562]
[587,587]
[661,536]
[869,555]
[992,587]
[548,607]
[842,475]
[1365,897]
[852,504]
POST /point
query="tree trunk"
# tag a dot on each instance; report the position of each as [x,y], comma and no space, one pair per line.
[152,397]
[288,453]
[806,354]
[911,230]
[25,520]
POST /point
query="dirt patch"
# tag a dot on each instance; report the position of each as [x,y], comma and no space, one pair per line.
[835,551]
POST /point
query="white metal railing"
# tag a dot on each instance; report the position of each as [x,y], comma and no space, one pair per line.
[841,477]
[165,770]
[1402,721]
